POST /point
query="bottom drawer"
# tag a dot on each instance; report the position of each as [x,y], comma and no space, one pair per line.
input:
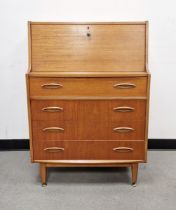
[89,150]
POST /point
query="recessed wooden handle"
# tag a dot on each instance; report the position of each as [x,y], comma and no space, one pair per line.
[53,129]
[52,109]
[51,85]
[123,109]
[124,85]
[54,149]
[123,149]
[123,129]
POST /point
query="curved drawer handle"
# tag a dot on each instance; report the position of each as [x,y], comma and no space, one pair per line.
[123,109]
[123,129]
[53,129]
[124,85]
[54,149]
[123,149]
[52,109]
[51,85]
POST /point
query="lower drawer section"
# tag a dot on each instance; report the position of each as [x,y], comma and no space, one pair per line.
[89,150]
[83,130]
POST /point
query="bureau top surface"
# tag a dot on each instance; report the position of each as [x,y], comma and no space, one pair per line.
[87,47]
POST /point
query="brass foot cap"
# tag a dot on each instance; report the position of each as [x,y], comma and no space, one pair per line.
[134,185]
[44,185]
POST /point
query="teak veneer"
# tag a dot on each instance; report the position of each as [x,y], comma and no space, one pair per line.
[88,94]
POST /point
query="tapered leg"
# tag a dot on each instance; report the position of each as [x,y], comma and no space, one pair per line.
[43,174]
[134,171]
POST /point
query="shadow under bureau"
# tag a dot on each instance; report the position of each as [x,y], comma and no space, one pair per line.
[88,94]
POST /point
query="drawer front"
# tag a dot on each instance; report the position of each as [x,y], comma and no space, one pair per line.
[53,110]
[89,150]
[54,130]
[100,87]
[89,110]
[83,130]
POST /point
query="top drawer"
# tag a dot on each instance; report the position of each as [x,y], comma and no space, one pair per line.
[100,87]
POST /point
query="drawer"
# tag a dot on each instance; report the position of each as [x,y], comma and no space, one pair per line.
[127,110]
[89,150]
[53,110]
[82,87]
[54,130]
[83,130]
[89,110]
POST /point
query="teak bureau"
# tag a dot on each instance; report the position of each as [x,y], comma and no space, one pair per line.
[88,94]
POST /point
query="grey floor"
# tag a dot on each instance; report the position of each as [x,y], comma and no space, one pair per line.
[87,188]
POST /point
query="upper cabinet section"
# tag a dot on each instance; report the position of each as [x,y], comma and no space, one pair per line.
[88,47]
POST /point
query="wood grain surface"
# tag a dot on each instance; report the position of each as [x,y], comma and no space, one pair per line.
[88,87]
[112,47]
[89,150]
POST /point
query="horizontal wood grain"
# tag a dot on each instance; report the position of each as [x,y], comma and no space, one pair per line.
[89,22]
[89,150]
[88,163]
[88,74]
[58,47]
[88,87]
[91,98]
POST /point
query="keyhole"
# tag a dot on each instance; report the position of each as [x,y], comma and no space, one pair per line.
[88,31]
[88,34]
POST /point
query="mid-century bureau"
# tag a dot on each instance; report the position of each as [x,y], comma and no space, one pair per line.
[88,94]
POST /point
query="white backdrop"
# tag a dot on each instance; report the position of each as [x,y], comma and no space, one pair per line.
[13,53]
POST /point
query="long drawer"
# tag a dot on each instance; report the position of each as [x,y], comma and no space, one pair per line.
[89,110]
[85,87]
[83,130]
[89,150]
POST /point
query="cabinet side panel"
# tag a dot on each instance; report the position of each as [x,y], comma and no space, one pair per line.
[29,48]
[29,116]
[147,116]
